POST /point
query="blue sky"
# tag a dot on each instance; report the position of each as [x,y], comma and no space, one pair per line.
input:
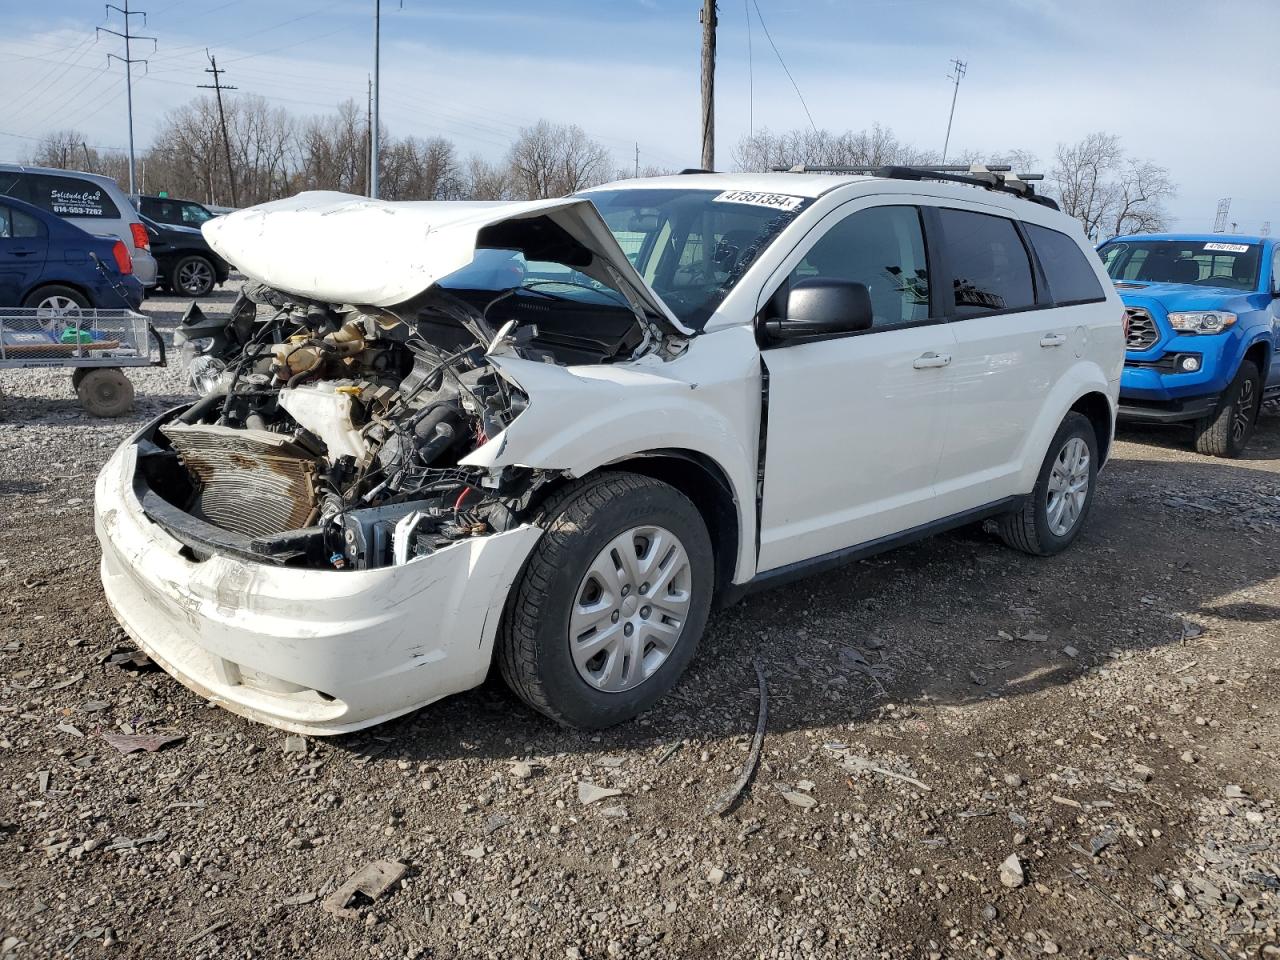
[1188,84]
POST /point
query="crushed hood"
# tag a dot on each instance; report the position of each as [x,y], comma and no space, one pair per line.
[341,248]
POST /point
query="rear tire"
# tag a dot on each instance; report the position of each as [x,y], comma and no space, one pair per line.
[58,305]
[567,612]
[192,276]
[1055,512]
[105,392]
[1226,433]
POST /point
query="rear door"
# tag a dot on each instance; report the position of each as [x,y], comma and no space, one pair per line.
[24,247]
[1012,345]
[855,421]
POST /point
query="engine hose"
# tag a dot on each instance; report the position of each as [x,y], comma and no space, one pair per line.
[195,413]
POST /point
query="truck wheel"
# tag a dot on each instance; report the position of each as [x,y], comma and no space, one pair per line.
[105,392]
[610,606]
[1055,512]
[1226,433]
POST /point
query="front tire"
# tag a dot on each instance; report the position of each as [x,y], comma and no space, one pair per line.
[1052,517]
[608,611]
[1226,433]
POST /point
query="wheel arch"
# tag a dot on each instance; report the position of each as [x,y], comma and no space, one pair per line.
[706,484]
[1097,408]
[1259,351]
[69,284]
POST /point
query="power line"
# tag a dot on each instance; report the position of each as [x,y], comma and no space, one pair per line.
[769,37]
[128,60]
[957,75]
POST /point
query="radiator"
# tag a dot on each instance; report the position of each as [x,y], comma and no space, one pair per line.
[252,482]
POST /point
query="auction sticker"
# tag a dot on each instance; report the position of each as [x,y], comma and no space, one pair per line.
[1228,247]
[779,201]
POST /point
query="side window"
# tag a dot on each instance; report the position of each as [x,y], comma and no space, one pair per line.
[989,265]
[1275,272]
[16,185]
[6,222]
[882,248]
[25,225]
[71,197]
[1070,275]
[194,214]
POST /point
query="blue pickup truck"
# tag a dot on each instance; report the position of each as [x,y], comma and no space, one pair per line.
[1203,313]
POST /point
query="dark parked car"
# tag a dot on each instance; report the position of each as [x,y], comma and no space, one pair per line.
[53,265]
[182,213]
[187,265]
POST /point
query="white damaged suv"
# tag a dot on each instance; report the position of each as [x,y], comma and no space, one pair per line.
[551,435]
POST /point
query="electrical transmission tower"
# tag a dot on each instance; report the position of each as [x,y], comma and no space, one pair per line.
[128,60]
[957,74]
[1266,229]
[218,86]
[1220,221]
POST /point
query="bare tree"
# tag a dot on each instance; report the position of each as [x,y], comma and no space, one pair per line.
[552,160]
[417,169]
[878,146]
[1108,192]
[483,180]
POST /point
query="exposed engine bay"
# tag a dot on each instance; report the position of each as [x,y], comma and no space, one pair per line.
[330,436]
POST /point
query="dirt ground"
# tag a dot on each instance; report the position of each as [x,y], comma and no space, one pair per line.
[1108,718]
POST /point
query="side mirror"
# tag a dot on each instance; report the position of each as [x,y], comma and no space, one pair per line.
[821,306]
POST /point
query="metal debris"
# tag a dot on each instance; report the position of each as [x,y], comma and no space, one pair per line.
[721,806]
[128,743]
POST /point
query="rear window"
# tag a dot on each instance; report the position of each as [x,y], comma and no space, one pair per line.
[990,269]
[1204,263]
[1070,275]
[70,197]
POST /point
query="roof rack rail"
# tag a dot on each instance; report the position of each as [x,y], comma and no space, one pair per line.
[990,176]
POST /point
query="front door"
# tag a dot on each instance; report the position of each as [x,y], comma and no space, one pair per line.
[854,421]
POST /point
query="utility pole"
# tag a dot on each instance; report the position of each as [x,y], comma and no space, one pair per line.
[708,18]
[368,139]
[128,62]
[957,74]
[1266,228]
[88,164]
[377,83]
[218,86]
[637,161]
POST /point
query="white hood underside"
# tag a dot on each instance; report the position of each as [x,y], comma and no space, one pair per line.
[341,248]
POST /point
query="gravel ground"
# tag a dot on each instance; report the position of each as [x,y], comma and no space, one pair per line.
[969,754]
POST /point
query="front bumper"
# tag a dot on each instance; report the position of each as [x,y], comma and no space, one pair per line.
[312,651]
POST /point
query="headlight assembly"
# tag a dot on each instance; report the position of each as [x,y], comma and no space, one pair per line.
[1202,321]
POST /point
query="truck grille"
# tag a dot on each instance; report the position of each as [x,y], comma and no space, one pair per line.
[251,482]
[1143,332]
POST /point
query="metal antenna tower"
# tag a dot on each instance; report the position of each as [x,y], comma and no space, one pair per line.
[128,36]
[1266,229]
[957,74]
[1220,221]
[218,86]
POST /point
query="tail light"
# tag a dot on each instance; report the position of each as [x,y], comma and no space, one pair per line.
[123,260]
[1124,324]
[140,238]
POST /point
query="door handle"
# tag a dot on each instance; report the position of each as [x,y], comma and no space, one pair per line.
[22,252]
[931,359]
[1053,340]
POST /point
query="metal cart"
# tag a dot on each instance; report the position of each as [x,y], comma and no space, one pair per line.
[96,344]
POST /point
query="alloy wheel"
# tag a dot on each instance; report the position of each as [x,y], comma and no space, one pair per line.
[195,277]
[1068,487]
[1242,416]
[54,312]
[630,609]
